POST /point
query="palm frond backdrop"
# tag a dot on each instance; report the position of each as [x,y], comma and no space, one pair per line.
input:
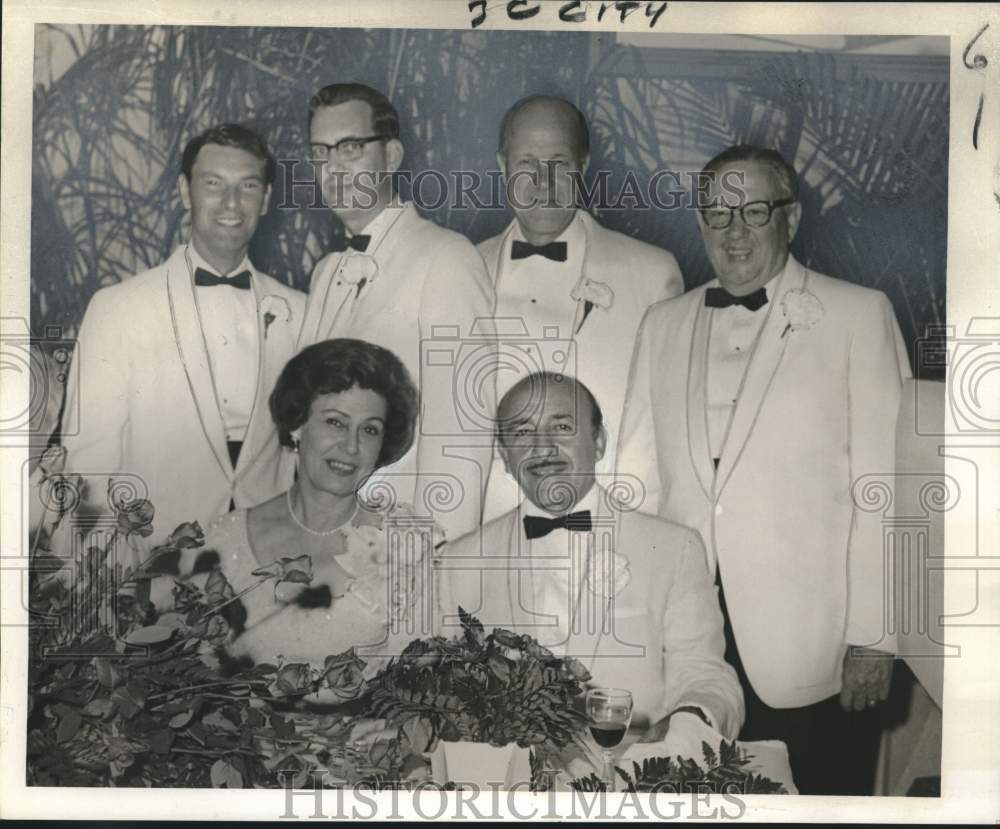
[115,105]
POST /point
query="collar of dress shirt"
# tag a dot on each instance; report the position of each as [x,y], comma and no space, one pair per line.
[771,290]
[198,261]
[593,501]
[379,226]
[573,235]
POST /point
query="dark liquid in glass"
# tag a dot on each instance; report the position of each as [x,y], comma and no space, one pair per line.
[607,734]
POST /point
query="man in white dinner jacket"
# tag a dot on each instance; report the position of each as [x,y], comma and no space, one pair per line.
[175,364]
[625,593]
[564,283]
[413,287]
[755,404]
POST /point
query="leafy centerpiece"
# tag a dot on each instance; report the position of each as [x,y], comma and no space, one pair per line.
[496,688]
[124,694]
[499,689]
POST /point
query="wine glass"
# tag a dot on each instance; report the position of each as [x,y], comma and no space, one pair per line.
[609,711]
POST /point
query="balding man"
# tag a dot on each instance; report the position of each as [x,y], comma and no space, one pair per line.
[626,593]
[559,275]
[755,404]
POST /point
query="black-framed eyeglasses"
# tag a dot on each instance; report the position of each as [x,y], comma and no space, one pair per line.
[753,214]
[347,149]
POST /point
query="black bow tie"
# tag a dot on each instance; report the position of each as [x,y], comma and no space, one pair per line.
[358,242]
[721,298]
[556,251]
[207,279]
[537,526]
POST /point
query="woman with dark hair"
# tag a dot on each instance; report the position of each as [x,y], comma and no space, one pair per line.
[346,408]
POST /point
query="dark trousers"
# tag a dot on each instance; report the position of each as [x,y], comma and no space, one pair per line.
[831,751]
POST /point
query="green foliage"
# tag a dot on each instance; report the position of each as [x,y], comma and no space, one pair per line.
[725,771]
[124,695]
[499,688]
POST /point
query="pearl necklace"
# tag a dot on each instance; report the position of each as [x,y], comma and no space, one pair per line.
[300,524]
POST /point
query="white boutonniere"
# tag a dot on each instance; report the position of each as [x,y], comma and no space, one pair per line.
[802,310]
[608,574]
[358,269]
[592,293]
[274,308]
[388,582]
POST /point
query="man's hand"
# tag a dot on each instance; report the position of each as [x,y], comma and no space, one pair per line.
[657,731]
[867,674]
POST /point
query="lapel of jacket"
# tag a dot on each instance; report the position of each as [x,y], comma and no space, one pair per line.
[271,357]
[509,605]
[764,361]
[697,413]
[325,300]
[337,307]
[598,263]
[191,347]
[590,615]
[500,258]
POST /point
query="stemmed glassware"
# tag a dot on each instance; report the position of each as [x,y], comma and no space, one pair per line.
[609,711]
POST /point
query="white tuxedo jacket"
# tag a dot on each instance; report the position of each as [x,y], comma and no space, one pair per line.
[147,401]
[660,637]
[640,275]
[431,304]
[801,565]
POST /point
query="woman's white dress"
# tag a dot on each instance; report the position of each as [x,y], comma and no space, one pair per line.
[383,607]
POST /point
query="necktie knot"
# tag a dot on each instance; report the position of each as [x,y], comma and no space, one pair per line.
[538,526]
[721,298]
[556,251]
[207,279]
[358,242]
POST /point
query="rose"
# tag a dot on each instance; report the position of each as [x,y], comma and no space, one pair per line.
[343,675]
[291,678]
[575,667]
[285,571]
[188,534]
[801,308]
[135,517]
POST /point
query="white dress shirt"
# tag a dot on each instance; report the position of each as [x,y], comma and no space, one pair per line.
[229,322]
[377,230]
[537,290]
[555,583]
[732,337]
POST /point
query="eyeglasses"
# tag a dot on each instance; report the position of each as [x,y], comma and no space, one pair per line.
[347,149]
[753,214]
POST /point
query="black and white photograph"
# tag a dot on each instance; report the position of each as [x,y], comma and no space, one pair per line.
[533,409]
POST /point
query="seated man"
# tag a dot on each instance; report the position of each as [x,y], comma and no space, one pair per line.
[627,594]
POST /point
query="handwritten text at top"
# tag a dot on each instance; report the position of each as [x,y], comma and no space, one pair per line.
[574,11]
